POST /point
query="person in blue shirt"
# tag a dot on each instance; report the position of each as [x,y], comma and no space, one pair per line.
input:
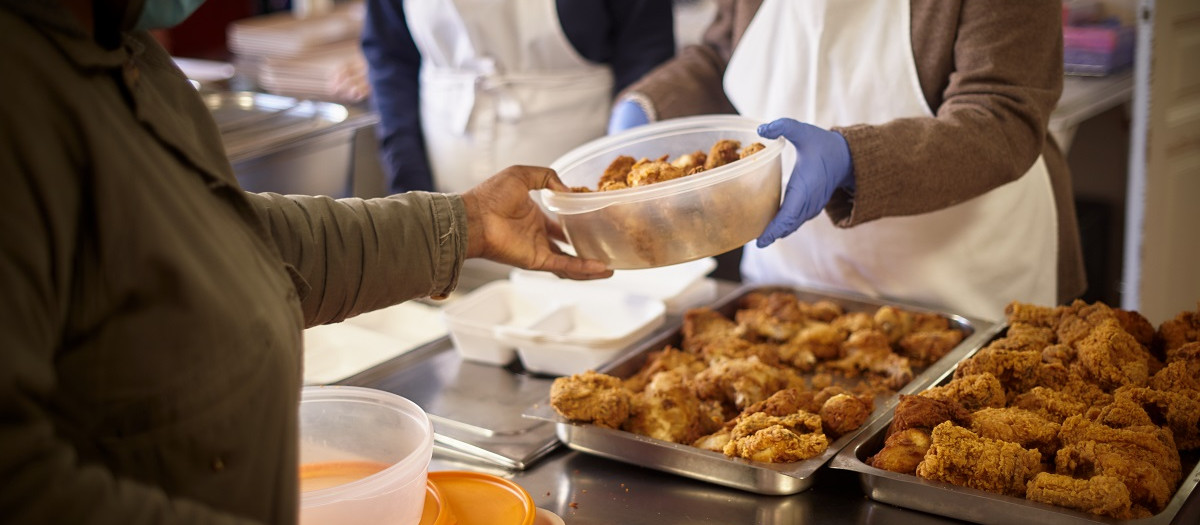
[465,88]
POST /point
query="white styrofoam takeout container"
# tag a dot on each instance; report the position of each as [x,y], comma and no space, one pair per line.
[555,331]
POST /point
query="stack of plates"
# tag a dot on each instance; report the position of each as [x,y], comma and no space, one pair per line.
[314,57]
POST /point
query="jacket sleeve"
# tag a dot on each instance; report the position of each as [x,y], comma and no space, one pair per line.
[360,255]
[988,130]
[393,67]
[42,479]
[691,83]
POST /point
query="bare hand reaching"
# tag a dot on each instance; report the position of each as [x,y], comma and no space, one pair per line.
[506,226]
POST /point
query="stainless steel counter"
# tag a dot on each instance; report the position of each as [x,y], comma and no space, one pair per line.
[585,489]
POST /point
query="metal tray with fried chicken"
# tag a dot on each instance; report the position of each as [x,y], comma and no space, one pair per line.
[1073,414]
[760,389]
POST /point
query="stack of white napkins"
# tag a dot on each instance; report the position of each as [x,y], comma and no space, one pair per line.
[336,351]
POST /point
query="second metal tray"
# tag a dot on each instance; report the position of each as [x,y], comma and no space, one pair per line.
[945,499]
[717,468]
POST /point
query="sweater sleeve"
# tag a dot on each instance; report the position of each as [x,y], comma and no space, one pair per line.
[988,130]
[393,67]
[691,83]
[360,255]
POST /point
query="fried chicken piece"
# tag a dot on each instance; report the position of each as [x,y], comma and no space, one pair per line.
[775,316]
[1137,325]
[1121,413]
[714,337]
[781,403]
[869,351]
[1032,314]
[647,172]
[668,409]
[1015,369]
[1076,397]
[1178,411]
[591,397]
[662,360]
[751,149]
[740,382]
[960,457]
[1080,319]
[972,392]
[1112,358]
[916,411]
[1148,486]
[616,172]
[854,322]
[1181,374]
[1127,453]
[923,348]
[902,451]
[821,341]
[894,322]
[1174,333]
[722,153]
[774,439]
[690,161]
[1100,495]
[1019,426]
[843,413]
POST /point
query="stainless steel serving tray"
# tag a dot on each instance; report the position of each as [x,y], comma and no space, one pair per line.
[945,499]
[717,468]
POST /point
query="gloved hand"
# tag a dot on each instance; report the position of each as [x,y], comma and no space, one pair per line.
[506,226]
[626,114]
[822,165]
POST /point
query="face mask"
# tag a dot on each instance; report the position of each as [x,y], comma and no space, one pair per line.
[161,14]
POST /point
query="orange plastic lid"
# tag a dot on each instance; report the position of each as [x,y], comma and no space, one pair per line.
[436,511]
[475,498]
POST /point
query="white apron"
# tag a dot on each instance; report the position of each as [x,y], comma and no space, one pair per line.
[848,62]
[501,85]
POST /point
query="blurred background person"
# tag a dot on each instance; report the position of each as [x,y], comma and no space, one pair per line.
[464,88]
[921,132]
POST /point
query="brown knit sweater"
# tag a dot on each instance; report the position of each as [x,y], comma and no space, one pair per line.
[991,70]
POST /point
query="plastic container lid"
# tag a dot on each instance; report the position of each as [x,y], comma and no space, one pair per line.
[436,512]
[475,498]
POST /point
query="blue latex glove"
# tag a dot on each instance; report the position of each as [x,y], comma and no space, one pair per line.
[626,114]
[822,165]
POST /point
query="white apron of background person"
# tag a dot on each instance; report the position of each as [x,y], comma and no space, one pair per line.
[501,85]
[842,62]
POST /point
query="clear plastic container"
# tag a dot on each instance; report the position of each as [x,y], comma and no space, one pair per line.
[364,457]
[675,221]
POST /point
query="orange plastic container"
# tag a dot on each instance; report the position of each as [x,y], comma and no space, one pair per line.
[482,499]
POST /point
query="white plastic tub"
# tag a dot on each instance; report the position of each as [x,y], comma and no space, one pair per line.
[674,221]
[364,457]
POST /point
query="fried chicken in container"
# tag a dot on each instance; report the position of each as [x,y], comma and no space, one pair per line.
[1100,495]
[960,457]
[591,397]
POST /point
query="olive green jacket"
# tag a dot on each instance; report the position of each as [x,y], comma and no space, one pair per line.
[151,312]
[991,72]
